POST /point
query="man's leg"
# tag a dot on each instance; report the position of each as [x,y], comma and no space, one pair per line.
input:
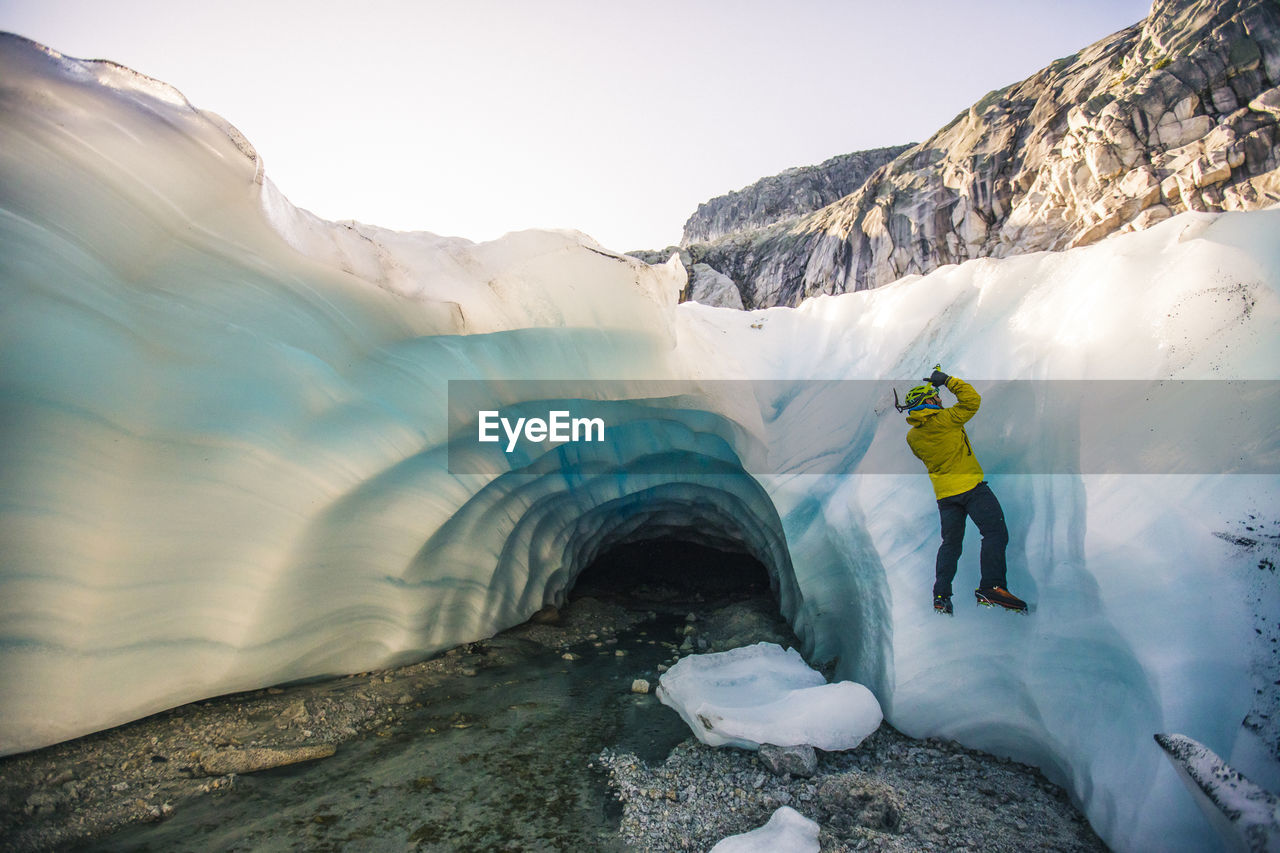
[953,520]
[985,511]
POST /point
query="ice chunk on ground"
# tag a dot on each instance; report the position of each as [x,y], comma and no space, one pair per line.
[1245,815]
[762,694]
[787,831]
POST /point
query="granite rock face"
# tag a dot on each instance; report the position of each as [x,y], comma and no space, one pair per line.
[1178,112]
[785,196]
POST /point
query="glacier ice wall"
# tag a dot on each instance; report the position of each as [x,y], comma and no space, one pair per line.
[224,461]
[222,417]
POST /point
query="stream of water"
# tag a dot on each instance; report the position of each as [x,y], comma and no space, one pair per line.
[493,762]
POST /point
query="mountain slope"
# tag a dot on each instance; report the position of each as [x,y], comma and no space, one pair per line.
[788,195]
[1175,113]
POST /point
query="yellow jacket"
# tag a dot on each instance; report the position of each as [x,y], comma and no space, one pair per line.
[938,439]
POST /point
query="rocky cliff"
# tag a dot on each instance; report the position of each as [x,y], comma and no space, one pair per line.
[1178,112]
[788,195]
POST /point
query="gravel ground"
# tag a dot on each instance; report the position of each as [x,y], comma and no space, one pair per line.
[892,793]
[93,785]
[88,787]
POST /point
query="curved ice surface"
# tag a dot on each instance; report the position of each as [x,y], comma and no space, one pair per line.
[224,457]
[760,694]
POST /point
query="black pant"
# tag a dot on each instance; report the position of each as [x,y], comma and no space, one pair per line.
[980,504]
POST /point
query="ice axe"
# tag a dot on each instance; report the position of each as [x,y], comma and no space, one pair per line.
[899,406]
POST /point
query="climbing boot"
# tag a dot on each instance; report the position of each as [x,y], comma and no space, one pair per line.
[999,596]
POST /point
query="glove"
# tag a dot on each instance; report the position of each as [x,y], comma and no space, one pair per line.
[937,377]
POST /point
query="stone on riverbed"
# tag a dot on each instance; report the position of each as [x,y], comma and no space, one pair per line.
[227,761]
[848,800]
[796,760]
[548,615]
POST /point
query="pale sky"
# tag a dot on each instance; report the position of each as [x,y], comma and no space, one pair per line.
[478,117]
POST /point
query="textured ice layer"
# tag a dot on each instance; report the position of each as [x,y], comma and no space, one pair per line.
[224,455]
[787,831]
[764,694]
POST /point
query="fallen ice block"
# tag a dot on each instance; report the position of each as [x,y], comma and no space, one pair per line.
[762,694]
[787,831]
[1246,815]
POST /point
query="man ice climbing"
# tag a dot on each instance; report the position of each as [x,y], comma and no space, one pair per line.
[938,439]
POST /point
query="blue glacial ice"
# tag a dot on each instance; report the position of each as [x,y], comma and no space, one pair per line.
[225,456]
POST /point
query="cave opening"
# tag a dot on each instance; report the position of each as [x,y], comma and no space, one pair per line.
[674,573]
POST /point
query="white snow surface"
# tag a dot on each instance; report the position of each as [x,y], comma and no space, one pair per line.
[787,831]
[766,694]
[224,464]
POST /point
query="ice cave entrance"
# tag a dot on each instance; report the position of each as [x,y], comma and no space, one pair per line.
[671,571]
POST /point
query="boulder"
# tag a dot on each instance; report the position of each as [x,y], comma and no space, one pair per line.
[1141,183]
[796,760]
[710,287]
[1213,168]
[227,761]
[549,614]
[848,800]
[1267,102]
[1150,216]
